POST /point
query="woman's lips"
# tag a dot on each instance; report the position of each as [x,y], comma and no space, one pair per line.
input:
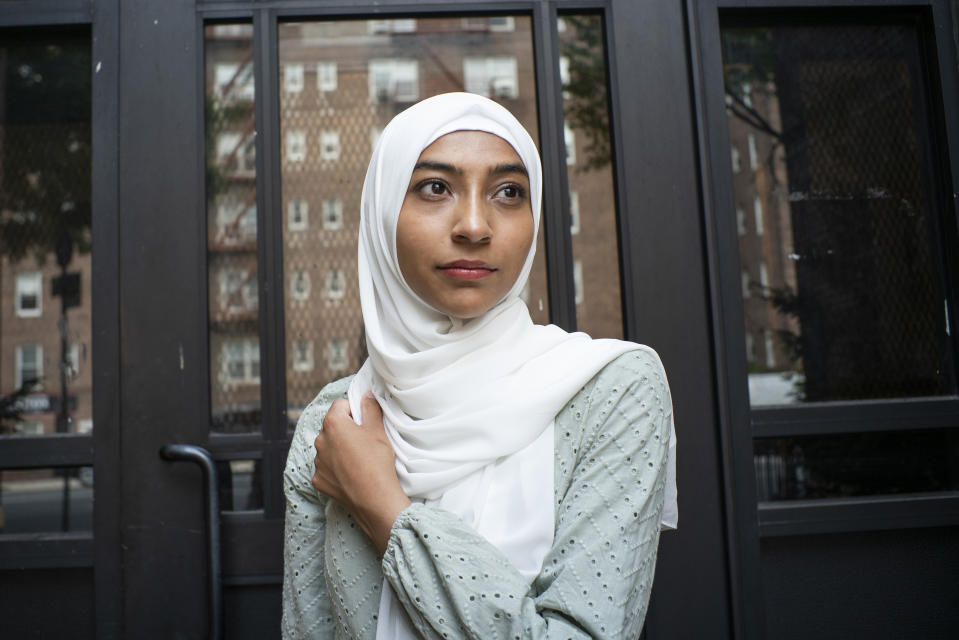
[467,269]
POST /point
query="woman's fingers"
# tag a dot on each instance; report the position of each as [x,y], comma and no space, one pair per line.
[339,412]
[354,465]
[372,413]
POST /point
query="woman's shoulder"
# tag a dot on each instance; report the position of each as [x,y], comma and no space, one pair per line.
[313,413]
[636,368]
[620,393]
[333,391]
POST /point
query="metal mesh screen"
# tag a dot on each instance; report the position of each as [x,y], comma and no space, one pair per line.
[839,237]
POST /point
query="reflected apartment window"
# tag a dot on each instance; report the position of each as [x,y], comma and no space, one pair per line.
[570,139]
[28,428]
[768,347]
[758,214]
[241,360]
[235,152]
[247,223]
[233,81]
[740,221]
[234,224]
[238,290]
[395,80]
[300,285]
[336,355]
[335,284]
[404,25]
[502,23]
[378,26]
[329,145]
[303,355]
[73,361]
[747,93]
[332,214]
[750,347]
[326,76]
[474,23]
[491,77]
[295,146]
[753,153]
[297,214]
[293,78]
[29,366]
[734,158]
[564,75]
[494,23]
[573,212]
[29,300]
[578,281]
[745,279]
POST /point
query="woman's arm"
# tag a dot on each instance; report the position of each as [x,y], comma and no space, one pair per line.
[306,603]
[611,452]
[355,465]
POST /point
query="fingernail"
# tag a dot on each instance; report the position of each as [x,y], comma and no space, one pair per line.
[369,394]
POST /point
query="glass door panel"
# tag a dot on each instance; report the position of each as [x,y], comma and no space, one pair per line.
[233,295]
[589,166]
[46,381]
[843,246]
[840,249]
[45,238]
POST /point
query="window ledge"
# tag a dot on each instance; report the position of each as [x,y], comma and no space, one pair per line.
[841,515]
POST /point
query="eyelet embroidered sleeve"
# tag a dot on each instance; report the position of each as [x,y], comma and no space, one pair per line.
[611,446]
[307,612]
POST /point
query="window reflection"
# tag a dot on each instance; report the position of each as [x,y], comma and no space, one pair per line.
[342,82]
[46,500]
[582,68]
[241,485]
[839,238]
[857,464]
[232,229]
[45,234]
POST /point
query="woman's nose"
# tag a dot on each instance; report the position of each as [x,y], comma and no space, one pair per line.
[472,221]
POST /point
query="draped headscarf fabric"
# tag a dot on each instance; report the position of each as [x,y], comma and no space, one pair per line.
[468,405]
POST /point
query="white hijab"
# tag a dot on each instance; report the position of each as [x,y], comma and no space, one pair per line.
[468,405]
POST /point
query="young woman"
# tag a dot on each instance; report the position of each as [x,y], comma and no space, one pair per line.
[480,476]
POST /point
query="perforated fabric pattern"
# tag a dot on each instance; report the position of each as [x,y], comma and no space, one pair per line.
[611,442]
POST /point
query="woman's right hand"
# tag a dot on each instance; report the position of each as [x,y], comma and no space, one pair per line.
[355,466]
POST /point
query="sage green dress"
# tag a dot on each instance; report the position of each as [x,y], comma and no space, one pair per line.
[610,466]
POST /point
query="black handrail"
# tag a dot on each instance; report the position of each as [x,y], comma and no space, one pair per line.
[202,457]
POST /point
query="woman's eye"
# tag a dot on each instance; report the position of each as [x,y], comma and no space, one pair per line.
[512,192]
[433,188]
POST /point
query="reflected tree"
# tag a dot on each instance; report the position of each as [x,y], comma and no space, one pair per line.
[45,147]
[585,102]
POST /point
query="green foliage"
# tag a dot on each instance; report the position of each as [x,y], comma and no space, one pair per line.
[585,105]
[45,145]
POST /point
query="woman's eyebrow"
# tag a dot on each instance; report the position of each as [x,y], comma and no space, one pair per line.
[437,166]
[508,168]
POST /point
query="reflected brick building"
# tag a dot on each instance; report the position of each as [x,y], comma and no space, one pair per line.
[339,84]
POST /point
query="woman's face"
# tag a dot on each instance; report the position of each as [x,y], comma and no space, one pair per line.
[466,225]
